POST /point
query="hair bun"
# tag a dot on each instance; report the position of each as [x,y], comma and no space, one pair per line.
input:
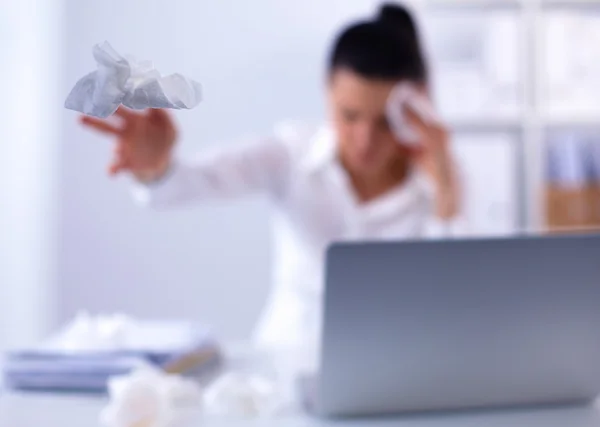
[399,17]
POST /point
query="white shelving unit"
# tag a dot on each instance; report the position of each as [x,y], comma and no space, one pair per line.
[532,117]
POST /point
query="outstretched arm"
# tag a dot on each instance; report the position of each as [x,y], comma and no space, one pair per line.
[254,167]
[144,147]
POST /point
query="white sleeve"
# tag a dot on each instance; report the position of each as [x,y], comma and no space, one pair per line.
[260,166]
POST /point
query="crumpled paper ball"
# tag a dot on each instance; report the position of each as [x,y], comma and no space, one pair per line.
[149,397]
[237,394]
[132,83]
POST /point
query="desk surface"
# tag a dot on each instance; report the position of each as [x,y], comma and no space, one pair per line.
[63,410]
[34,410]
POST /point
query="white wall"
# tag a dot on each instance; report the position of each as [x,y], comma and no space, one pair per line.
[259,62]
[30,44]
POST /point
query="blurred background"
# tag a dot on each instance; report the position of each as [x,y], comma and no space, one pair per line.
[516,80]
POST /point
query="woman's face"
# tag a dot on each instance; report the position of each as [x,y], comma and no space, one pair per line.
[357,105]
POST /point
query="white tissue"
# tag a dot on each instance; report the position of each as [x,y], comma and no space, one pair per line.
[100,332]
[150,398]
[242,395]
[404,96]
[135,84]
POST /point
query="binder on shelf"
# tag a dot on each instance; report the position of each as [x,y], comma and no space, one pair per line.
[594,162]
[572,192]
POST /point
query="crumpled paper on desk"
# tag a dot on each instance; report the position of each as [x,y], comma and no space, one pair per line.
[135,84]
[403,96]
[258,382]
[150,398]
[241,395]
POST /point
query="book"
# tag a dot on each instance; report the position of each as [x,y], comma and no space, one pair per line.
[60,365]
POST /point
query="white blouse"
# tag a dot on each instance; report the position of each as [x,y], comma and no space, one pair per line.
[313,205]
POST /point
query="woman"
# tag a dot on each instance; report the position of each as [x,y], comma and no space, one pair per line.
[350,179]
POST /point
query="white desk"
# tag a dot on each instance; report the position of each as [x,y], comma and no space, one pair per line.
[35,410]
[42,409]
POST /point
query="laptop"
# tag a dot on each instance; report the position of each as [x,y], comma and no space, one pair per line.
[458,325]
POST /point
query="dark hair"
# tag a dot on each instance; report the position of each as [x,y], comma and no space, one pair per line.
[386,47]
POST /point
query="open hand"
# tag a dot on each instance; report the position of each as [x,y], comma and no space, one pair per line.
[144,141]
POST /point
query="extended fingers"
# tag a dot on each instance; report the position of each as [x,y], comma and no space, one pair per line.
[100,125]
[118,165]
[415,118]
[126,113]
[120,160]
[159,113]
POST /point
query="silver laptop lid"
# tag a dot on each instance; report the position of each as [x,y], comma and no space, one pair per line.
[418,326]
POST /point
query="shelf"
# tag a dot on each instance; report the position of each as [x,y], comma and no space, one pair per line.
[484,124]
[570,4]
[536,120]
[586,121]
[512,124]
[483,5]
[476,3]
[509,4]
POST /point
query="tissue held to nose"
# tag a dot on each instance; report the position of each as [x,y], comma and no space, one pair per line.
[135,84]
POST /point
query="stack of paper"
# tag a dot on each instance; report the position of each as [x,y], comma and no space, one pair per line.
[89,351]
